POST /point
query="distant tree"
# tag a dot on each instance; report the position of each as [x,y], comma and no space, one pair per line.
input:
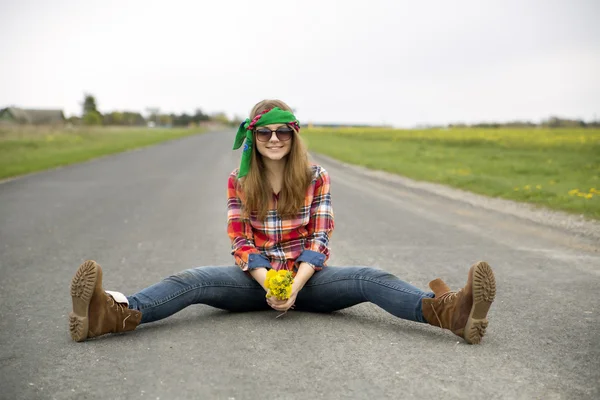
[556,122]
[593,124]
[117,118]
[165,120]
[200,116]
[92,118]
[486,125]
[133,119]
[114,118]
[220,117]
[90,115]
[181,120]
[89,104]
[519,124]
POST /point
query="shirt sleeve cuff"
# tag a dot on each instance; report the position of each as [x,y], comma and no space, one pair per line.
[258,261]
[312,257]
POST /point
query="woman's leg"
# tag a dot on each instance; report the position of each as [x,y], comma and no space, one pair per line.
[335,288]
[97,312]
[227,288]
[464,312]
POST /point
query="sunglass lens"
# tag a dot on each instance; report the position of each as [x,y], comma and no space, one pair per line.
[284,134]
[263,135]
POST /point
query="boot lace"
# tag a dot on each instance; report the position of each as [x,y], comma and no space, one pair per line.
[118,307]
[447,297]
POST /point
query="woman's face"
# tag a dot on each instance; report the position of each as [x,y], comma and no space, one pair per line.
[274,141]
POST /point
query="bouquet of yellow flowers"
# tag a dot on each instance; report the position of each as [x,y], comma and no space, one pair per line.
[279,283]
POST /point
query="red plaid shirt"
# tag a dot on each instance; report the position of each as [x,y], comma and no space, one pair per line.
[282,243]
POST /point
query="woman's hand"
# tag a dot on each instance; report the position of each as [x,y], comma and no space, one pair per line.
[305,271]
[283,305]
[259,274]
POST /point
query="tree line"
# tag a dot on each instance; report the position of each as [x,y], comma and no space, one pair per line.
[552,122]
[91,116]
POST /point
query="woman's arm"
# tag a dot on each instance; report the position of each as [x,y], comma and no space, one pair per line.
[321,224]
[260,275]
[246,255]
[305,271]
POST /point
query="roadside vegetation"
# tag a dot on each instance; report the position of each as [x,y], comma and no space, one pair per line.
[29,149]
[557,168]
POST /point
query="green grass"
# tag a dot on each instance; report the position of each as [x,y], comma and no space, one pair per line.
[24,150]
[555,168]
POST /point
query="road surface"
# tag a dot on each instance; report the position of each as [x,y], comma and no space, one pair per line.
[149,213]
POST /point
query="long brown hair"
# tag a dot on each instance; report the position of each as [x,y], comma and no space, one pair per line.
[256,190]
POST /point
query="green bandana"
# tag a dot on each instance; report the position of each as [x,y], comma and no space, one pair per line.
[274,116]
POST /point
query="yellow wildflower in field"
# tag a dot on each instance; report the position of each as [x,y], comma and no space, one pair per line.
[538,186]
[279,284]
[517,189]
[593,190]
[527,187]
[573,192]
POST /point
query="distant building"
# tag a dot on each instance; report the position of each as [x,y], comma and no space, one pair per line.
[20,116]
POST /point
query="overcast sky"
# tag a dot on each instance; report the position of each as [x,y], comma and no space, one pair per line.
[395,62]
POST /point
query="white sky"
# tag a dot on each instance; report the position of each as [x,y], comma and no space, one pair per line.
[396,62]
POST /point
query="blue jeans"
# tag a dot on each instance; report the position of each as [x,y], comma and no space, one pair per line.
[229,288]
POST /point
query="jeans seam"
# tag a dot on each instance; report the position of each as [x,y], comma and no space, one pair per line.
[189,289]
[363,279]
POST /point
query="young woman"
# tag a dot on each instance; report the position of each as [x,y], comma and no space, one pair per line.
[279,216]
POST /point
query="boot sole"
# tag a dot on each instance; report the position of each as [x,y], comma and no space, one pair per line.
[484,292]
[82,289]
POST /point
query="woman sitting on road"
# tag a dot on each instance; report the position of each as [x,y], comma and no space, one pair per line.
[279,217]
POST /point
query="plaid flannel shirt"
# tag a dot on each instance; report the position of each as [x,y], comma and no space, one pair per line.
[282,243]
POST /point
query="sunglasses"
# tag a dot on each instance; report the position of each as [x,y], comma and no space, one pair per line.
[283,133]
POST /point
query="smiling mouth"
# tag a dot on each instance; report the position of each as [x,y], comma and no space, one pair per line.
[275,148]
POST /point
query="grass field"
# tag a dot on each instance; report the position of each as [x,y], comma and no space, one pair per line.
[24,150]
[556,168]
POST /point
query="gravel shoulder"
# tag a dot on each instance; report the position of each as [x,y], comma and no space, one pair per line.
[569,223]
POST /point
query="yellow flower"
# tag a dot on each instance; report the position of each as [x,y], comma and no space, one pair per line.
[573,192]
[527,187]
[589,196]
[538,186]
[270,274]
[516,189]
[279,284]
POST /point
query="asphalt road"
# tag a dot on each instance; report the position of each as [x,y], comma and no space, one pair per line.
[149,213]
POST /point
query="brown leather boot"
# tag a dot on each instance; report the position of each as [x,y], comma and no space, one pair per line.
[463,312]
[95,312]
